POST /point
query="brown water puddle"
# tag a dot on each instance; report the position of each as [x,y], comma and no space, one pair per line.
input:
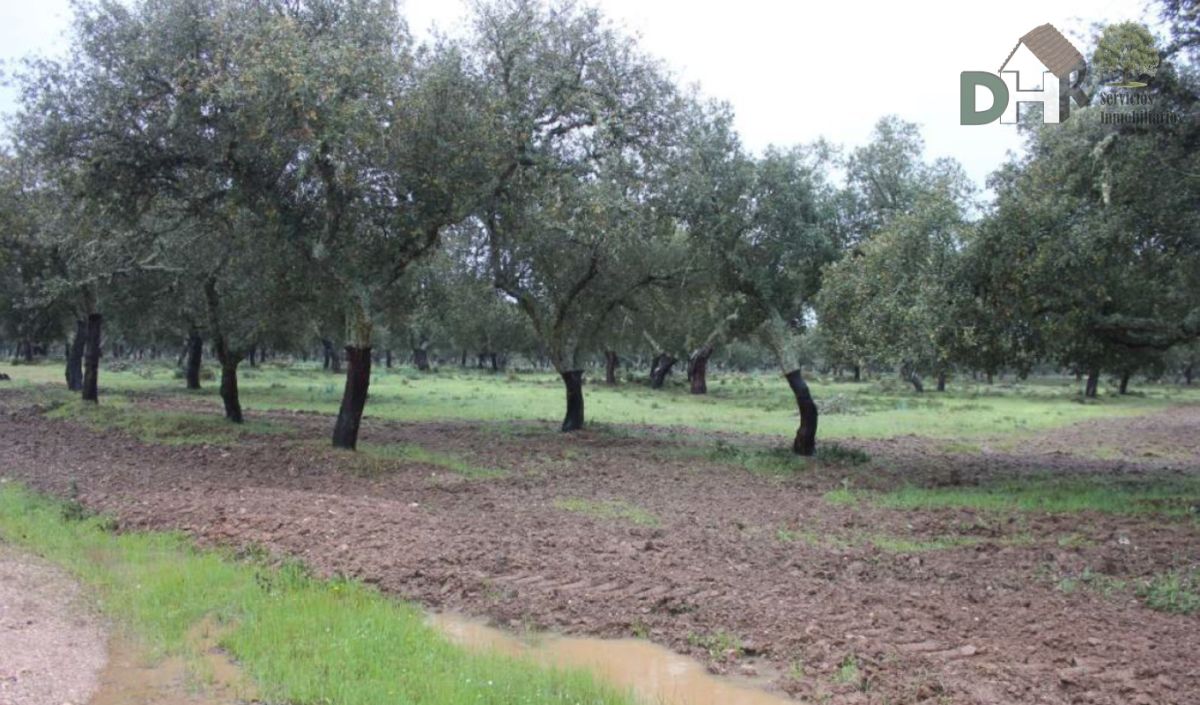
[207,677]
[654,674]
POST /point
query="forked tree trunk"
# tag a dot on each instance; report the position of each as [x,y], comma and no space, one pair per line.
[573,381]
[91,359]
[1093,383]
[420,359]
[195,349]
[611,362]
[941,382]
[75,357]
[354,398]
[806,436]
[1124,388]
[663,364]
[698,369]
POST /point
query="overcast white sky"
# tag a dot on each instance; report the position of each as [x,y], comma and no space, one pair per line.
[794,71]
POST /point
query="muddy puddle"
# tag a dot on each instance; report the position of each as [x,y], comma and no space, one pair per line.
[653,673]
[206,677]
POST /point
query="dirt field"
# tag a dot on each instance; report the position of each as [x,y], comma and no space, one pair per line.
[617,535]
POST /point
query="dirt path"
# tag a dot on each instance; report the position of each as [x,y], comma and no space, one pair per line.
[52,644]
[732,563]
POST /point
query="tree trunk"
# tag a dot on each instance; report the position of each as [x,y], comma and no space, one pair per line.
[1124,388]
[354,398]
[941,382]
[1187,375]
[806,436]
[326,348]
[91,359]
[989,377]
[253,357]
[611,361]
[1093,383]
[229,383]
[915,380]
[857,373]
[495,362]
[573,380]
[663,364]
[28,352]
[463,361]
[75,357]
[420,359]
[387,358]
[195,351]
[698,369]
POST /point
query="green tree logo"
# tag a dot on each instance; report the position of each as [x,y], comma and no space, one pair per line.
[1126,55]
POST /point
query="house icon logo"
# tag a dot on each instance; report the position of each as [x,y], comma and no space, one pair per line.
[1044,68]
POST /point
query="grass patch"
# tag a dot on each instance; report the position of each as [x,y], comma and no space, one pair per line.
[782,461]
[301,640]
[607,509]
[1176,496]
[718,644]
[376,459]
[756,403]
[1177,592]
[161,427]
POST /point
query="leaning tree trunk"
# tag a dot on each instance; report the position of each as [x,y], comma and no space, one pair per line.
[354,398]
[573,380]
[663,364]
[1124,388]
[91,359]
[915,380]
[806,436]
[195,349]
[698,369]
[75,357]
[421,359]
[1093,383]
[611,362]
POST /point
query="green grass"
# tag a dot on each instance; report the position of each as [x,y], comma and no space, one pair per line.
[161,426]
[1177,591]
[1174,496]
[607,509]
[300,639]
[378,457]
[748,403]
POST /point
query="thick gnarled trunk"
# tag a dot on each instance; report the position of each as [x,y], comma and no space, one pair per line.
[698,369]
[805,442]
[91,359]
[229,390]
[573,381]
[663,364]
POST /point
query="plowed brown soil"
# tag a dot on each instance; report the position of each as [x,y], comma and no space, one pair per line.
[730,558]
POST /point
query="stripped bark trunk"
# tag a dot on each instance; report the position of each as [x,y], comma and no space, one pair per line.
[75,357]
[354,398]
[663,364]
[611,362]
[805,442]
[91,359]
[195,351]
[573,381]
[698,369]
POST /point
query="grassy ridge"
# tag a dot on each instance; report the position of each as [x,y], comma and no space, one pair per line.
[757,403]
[301,640]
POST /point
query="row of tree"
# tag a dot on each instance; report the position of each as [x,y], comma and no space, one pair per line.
[265,175]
